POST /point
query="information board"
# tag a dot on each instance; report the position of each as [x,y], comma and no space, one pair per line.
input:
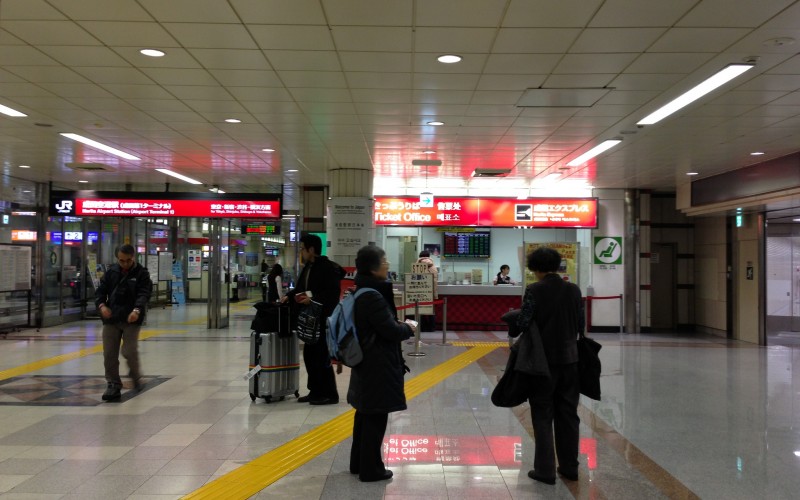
[194,266]
[419,288]
[178,293]
[152,266]
[261,227]
[15,261]
[164,266]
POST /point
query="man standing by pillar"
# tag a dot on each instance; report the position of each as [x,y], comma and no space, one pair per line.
[322,278]
[122,299]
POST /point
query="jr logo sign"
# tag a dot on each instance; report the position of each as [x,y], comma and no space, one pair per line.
[64,207]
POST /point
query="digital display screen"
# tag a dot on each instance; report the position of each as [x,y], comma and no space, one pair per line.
[462,244]
[261,228]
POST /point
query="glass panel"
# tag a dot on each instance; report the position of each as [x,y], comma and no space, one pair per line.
[72,245]
[225,262]
[51,310]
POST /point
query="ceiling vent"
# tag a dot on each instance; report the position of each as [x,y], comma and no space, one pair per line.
[491,172]
[90,167]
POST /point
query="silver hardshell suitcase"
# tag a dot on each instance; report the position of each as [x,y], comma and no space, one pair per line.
[279,359]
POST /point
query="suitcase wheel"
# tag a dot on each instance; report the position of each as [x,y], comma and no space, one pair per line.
[297,394]
[252,397]
[268,399]
[282,398]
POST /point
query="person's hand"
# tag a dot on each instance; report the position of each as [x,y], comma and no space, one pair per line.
[284,299]
[133,317]
[105,312]
[302,298]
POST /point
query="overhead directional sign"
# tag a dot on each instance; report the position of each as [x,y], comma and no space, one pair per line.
[426,200]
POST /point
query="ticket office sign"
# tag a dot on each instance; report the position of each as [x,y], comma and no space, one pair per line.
[494,212]
[143,204]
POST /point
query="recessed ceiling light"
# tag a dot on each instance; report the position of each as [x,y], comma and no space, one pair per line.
[100,146]
[435,123]
[449,58]
[11,112]
[24,166]
[233,120]
[429,152]
[83,182]
[756,153]
[268,150]
[292,170]
[692,173]
[152,52]
[796,220]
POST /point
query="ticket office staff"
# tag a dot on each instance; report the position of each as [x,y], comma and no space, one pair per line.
[502,277]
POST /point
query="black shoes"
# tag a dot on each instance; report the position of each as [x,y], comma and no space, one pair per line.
[536,477]
[304,399]
[565,475]
[383,477]
[113,392]
[325,401]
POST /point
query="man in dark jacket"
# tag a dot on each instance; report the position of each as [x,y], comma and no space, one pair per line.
[376,384]
[122,299]
[321,277]
[557,308]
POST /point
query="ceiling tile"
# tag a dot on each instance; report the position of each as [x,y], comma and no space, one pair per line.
[638,82]
[433,96]
[205,106]
[788,83]
[377,62]
[245,78]
[438,109]
[321,95]
[259,94]
[578,81]
[231,59]
[322,79]
[454,40]
[534,40]
[594,63]
[292,37]
[363,80]
[368,12]
[697,39]
[669,63]
[48,74]
[509,82]
[131,34]
[496,97]
[76,90]
[190,11]
[125,91]
[313,108]
[521,64]
[19,55]
[615,40]
[210,92]
[84,56]
[741,14]
[100,10]
[359,39]
[549,14]
[115,75]
[620,13]
[30,10]
[321,60]
[445,82]
[303,12]
[49,32]
[171,76]
[375,95]
[469,13]
[211,36]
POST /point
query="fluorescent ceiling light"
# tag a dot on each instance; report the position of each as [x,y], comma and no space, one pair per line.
[429,152]
[268,150]
[10,112]
[292,170]
[100,146]
[233,120]
[692,173]
[24,166]
[436,123]
[600,148]
[756,153]
[178,176]
[152,52]
[449,59]
[717,80]
[83,182]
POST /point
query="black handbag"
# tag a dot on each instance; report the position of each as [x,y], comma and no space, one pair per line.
[589,367]
[513,387]
[308,322]
[271,317]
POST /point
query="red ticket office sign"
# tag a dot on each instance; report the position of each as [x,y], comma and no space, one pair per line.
[143,204]
[492,212]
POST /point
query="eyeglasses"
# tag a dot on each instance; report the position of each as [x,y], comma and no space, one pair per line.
[385,262]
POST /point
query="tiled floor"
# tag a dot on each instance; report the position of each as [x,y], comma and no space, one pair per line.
[681,417]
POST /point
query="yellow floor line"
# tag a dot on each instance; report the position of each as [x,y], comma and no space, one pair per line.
[63,358]
[475,343]
[249,479]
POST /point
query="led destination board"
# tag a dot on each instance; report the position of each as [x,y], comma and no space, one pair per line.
[490,212]
[140,204]
[261,227]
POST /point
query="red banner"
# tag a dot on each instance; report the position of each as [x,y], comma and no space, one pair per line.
[491,212]
[176,208]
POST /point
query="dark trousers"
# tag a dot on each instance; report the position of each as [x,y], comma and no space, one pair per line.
[321,379]
[554,404]
[365,454]
[125,335]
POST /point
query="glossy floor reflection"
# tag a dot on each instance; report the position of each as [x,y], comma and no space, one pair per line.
[682,416]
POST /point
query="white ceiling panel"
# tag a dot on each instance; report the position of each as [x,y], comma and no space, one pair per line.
[445,82]
[534,40]
[258,94]
[19,55]
[280,11]
[322,60]
[583,81]
[241,78]
[470,13]
[376,62]
[321,79]
[383,39]
[49,32]
[211,36]
[521,64]
[698,39]
[190,11]
[368,12]
[103,75]
[369,80]
[454,40]
[84,56]
[98,10]
[621,13]
[597,40]
[274,37]
[130,34]
[230,59]
[742,14]
[549,14]
[594,63]
[321,95]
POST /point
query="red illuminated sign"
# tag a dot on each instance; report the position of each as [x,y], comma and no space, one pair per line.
[135,204]
[493,212]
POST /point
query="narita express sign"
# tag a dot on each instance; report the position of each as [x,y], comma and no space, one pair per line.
[494,212]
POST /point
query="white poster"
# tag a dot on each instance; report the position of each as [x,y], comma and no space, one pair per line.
[419,288]
[349,225]
[164,266]
[194,268]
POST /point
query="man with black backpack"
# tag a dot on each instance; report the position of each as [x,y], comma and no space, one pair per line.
[318,281]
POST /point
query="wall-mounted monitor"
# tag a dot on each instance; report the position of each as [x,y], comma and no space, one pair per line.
[467,244]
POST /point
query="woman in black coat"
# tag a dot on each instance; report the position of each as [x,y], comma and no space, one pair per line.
[376,384]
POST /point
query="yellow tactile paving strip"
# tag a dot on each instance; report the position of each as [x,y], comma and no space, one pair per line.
[256,475]
[63,358]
